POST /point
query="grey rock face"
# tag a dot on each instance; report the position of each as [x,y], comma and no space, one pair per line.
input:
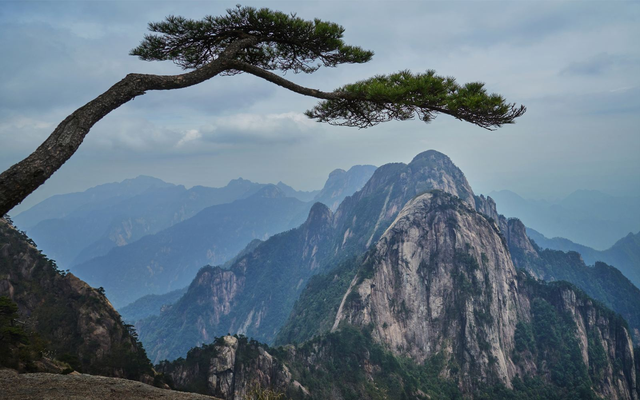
[294,256]
[362,218]
[440,280]
[232,368]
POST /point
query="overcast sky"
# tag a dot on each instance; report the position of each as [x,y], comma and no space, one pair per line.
[575,65]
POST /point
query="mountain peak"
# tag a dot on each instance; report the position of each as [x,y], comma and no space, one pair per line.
[270,191]
[430,155]
[238,182]
[428,170]
[341,184]
[319,214]
[281,185]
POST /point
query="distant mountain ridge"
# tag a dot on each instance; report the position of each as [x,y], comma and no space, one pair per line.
[76,227]
[343,183]
[61,205]
[589,217]
[169,259]
[104,221]
[624,254]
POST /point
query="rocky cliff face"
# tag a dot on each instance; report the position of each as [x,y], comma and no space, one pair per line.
[565,323]
[77,322]
[254,297]
[230,368]
[440,280]
[362,218]
[434,309]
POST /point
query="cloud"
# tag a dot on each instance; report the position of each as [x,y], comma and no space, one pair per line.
[285,128]
[49,66]
[600,64]
[19,133]
[138,135]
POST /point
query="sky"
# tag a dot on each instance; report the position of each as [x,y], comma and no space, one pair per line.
[573,64]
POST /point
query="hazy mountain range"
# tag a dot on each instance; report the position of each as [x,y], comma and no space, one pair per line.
[156,235]
[76,227]
[624,254]
[413,287]
[256,294]
[588,217]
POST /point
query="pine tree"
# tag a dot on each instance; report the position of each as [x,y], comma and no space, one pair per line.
[257,42]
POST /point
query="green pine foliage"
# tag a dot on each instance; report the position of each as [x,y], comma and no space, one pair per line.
[276,41]
[15,350]
[405,95]
[283,41]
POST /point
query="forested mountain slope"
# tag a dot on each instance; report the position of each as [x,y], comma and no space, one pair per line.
[60,316]
[624,254]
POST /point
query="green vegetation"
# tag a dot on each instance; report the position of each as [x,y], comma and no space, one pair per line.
[343,359]
[557,345]
[59,314]
[601,282]
[316,308]
[260,393]
[18,349]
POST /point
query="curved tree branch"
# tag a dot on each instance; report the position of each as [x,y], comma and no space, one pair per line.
[285,83]
[21,179]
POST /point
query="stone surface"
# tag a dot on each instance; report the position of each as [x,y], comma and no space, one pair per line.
[43,386]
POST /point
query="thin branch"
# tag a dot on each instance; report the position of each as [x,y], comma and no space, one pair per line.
[285,83]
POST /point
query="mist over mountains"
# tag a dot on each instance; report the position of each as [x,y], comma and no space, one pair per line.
[79,226]
[624,254]
[156,235]
[588,217]
[419,265]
